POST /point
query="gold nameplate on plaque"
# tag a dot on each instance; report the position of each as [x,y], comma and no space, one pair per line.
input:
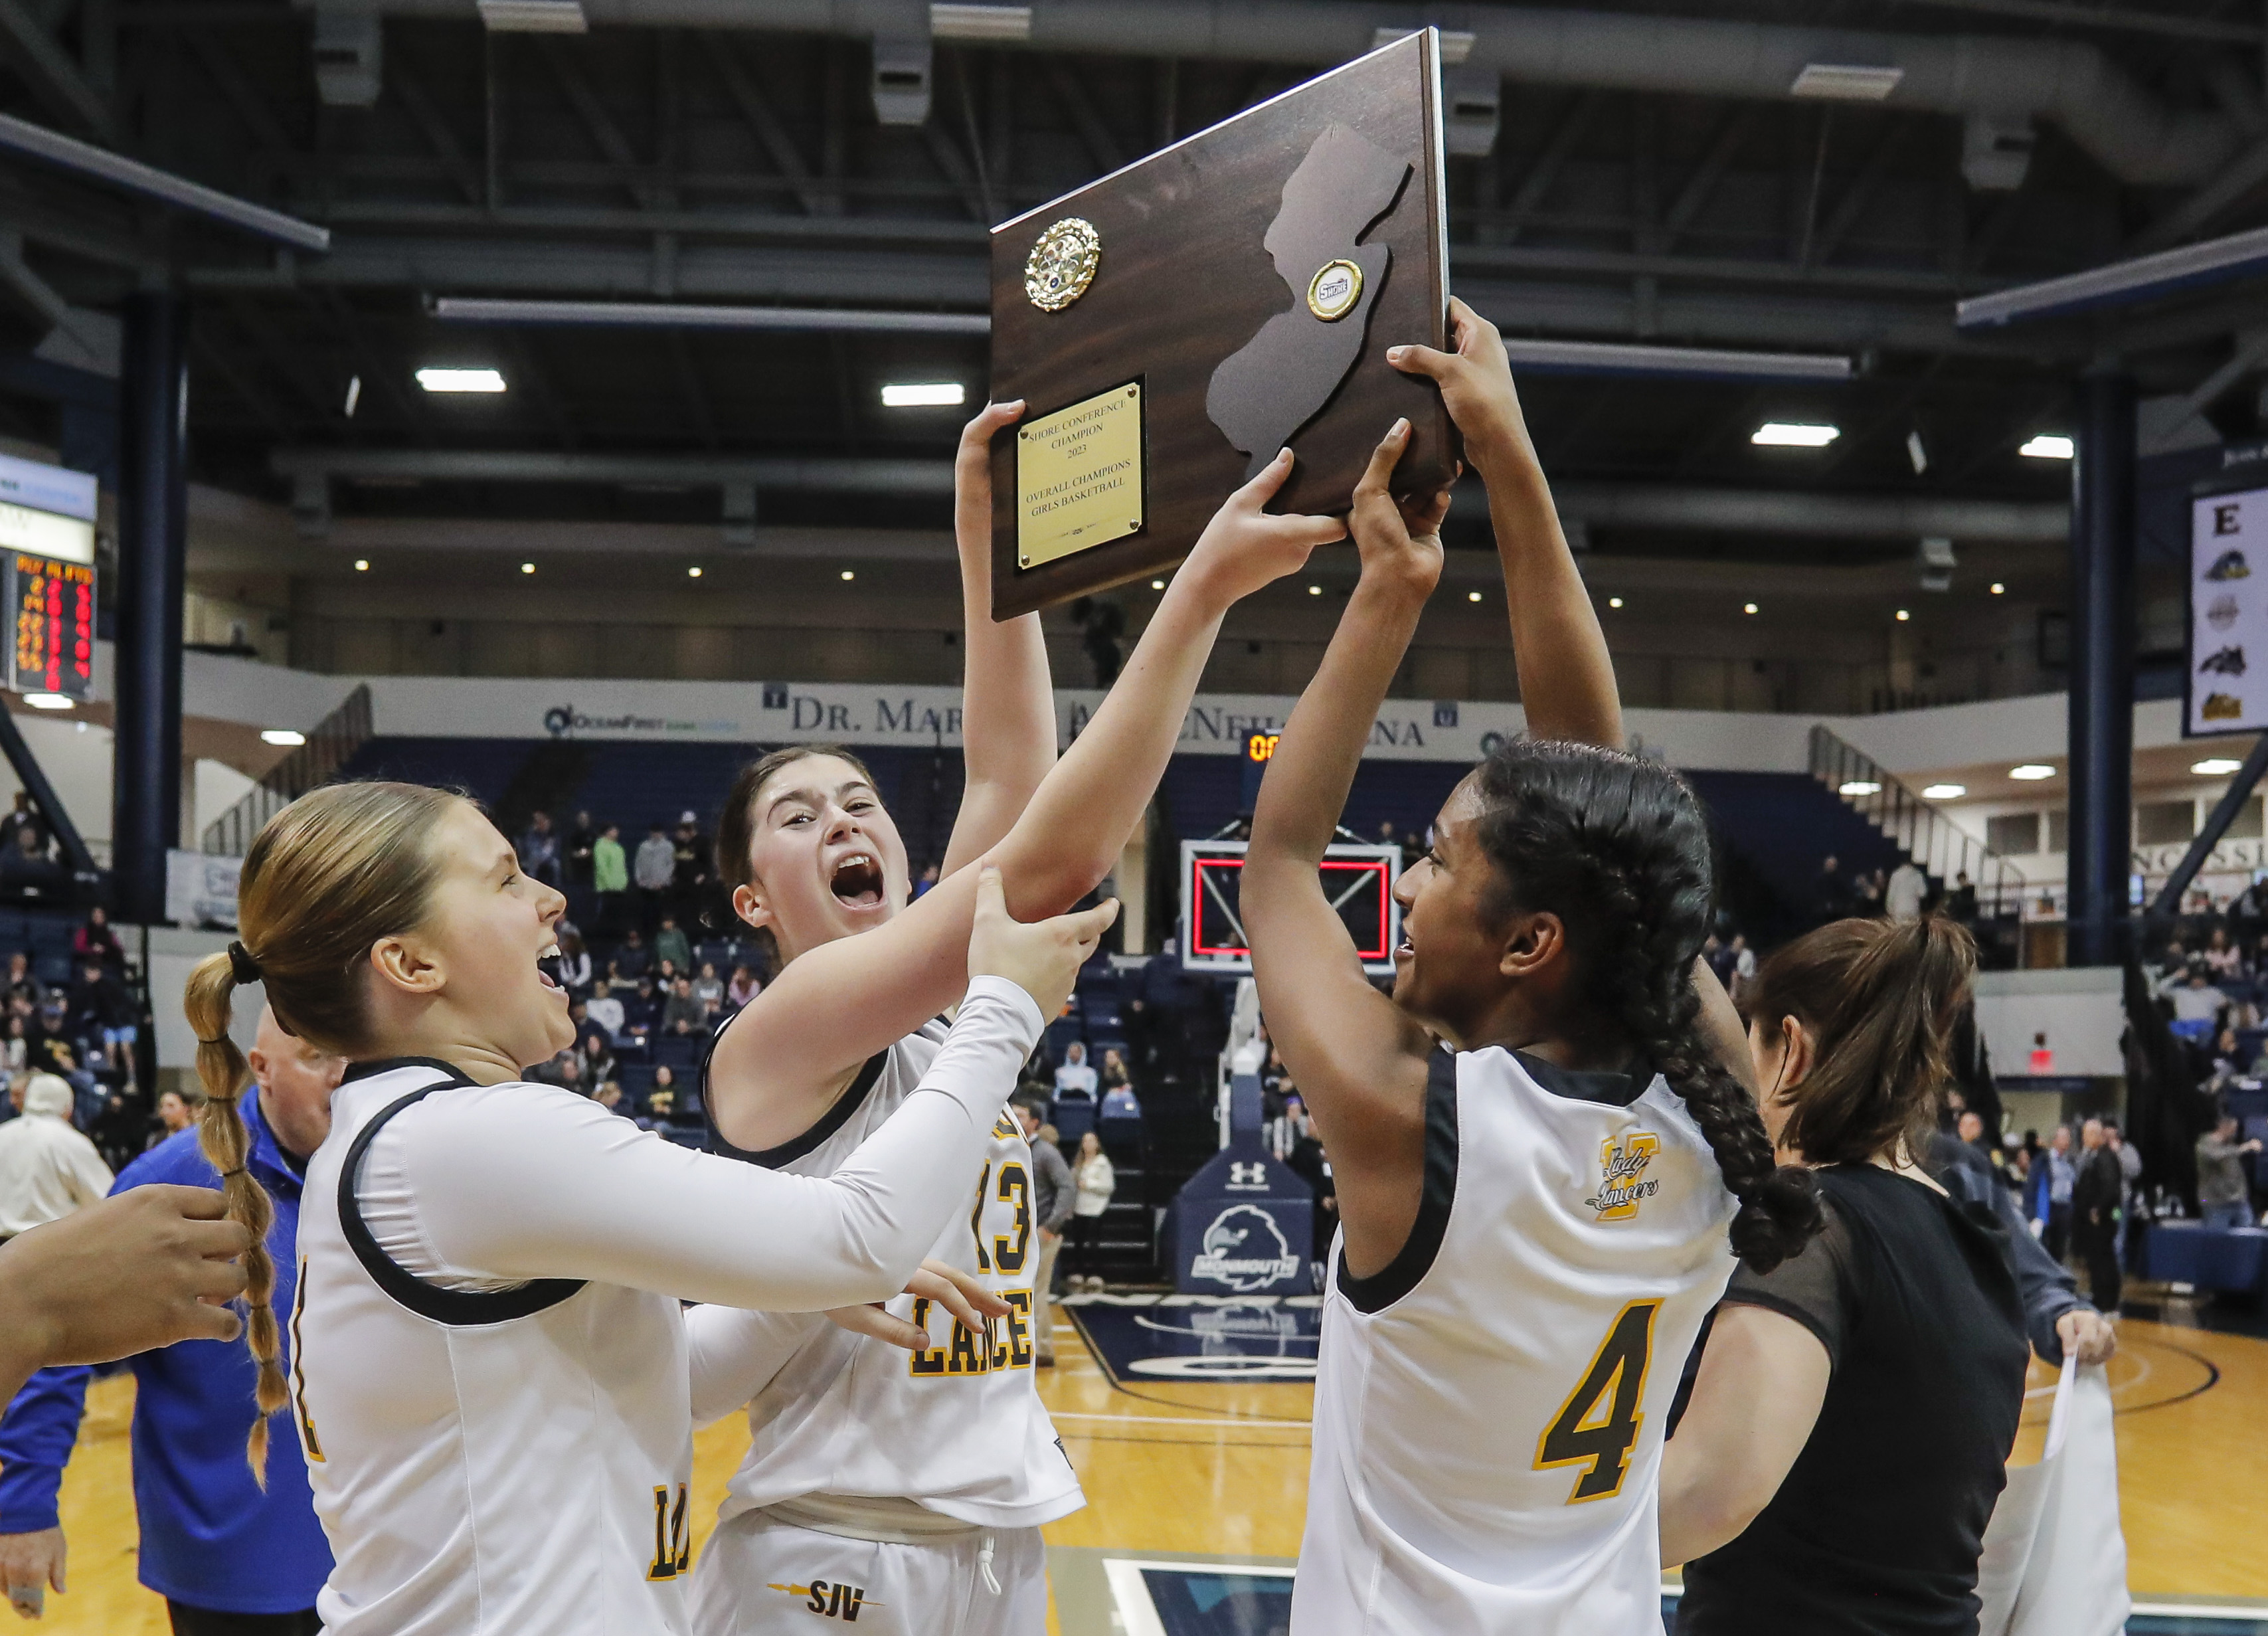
[1078,476]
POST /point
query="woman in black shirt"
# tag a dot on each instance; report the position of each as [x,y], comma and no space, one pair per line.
[1849,1427]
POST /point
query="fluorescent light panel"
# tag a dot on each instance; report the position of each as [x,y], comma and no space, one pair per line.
[2031,772]
[923,394]
[461,380]
[2216,767]
[22,137]
[1785,434]
[2048,445]
[2140,279]
[282,735]
[1844,82]
[534,17]
[1603,358]
[980,22]
[1858,786]
[47,701]
[1944,791]
[676,315]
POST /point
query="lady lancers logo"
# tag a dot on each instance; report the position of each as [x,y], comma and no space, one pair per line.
[1622,1160]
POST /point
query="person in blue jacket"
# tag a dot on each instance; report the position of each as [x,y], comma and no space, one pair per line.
[229,1559]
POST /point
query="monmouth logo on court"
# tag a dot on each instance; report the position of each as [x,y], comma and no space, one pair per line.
[1236,1251]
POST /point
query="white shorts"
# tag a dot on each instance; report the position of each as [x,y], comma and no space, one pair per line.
[758,1577]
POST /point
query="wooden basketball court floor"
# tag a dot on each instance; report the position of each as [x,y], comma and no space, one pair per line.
[1212,1474]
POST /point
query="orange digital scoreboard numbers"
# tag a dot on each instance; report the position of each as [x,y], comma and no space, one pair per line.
[53,650]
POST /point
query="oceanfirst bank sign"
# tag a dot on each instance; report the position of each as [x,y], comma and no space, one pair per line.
[919,717]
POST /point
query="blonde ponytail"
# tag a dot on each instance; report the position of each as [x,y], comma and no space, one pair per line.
[323,881]
[227,1146]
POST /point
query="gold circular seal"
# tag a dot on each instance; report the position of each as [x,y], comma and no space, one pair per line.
[1334,289]
[1062,264]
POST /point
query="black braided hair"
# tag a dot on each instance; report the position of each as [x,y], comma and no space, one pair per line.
[1616,847]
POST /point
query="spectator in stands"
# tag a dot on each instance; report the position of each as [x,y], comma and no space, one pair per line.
[2130,1167]
[672,947]
[2223,1194]
[1867,895]
[1113,1070]
[606,1009]
[708,989]
[22,982]
[1053,1194]
[21,821]
[681,1012]
[174,1116]
[16,1044]
[539,850]
[95,938]
[574,962]
[2222,958]
[1093,1181]
[642,1011]
[579,857]
[742,988]
[661,1100]
[1969,1127]
[1960,903]
[1077,1076]
[1831,896]
[102,1013]
[655,871]
[2097,1187]
[26,864]
[633,959]
[1908,887]
[1282,1135]
[610,1095]
[47,1168]
[2051,1184]
[689,864]
[610,878]
[598,1051]
[2197,1000]
[925,879]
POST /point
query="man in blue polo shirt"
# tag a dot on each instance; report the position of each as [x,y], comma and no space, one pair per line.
[229,1560]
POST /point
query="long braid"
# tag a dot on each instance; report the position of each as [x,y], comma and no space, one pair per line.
[227,1145]
[1616,847]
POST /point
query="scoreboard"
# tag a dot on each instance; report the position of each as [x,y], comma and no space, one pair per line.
[47,566]
[53,646]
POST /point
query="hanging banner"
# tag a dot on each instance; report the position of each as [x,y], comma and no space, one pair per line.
[2228,615]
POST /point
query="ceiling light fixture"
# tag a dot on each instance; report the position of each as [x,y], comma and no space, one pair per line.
[923,394]
[1472,596]
[2215,767]
[1157,585]
[286,736]
[849,573]
[1748,607]
[1945,791]
[527,568]
[47,701]
[1858,786]
[362,564]
[1830,82]
[1791,434]
[1614,601]
[1903,615]
[1314,590]
[1917,454]
[460,379]
[534,17]
[1999,589]
[2031,772]
[2048,445]
[693,573]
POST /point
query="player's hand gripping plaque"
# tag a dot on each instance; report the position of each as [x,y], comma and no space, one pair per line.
[1173,325]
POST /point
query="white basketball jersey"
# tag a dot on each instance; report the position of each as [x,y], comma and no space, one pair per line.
[1489,1407]
[507,1461]
[958,1426]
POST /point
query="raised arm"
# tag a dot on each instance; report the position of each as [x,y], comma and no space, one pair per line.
[781,1061]
[1567,686]
[1359,1060]
[1007,701]
[1763,1378]
[1566,677]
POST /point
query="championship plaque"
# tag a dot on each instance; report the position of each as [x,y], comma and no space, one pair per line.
[1173,325]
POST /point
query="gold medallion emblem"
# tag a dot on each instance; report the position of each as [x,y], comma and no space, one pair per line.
[1335,289]
[1062,264]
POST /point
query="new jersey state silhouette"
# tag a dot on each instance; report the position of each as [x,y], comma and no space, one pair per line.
[1280,380]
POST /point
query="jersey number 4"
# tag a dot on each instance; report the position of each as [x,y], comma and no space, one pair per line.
[1598,1425]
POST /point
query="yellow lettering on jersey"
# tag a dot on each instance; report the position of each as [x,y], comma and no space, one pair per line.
[1622,1180]
[1005,1343]
[309,1443]
[673,1547]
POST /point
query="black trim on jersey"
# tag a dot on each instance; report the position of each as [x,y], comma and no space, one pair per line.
[1415,1259]
[796,1147]
[457,1308]
[1577,1084]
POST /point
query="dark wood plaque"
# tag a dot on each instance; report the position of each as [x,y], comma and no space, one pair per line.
[1249,280]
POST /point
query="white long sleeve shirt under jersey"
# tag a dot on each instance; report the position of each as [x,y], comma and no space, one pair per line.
[491,1384]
